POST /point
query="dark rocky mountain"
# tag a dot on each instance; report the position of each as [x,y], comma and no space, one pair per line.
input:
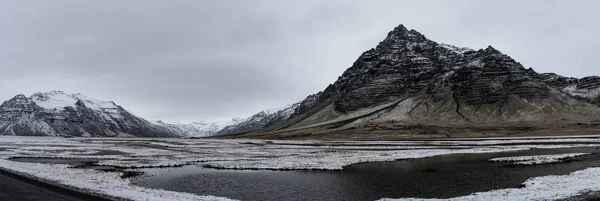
[56,113]
[409,79]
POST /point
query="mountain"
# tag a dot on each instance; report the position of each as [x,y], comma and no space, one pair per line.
[259,120]
[406,84]
[409,80]
[233,126]
[200,129]
[57,113]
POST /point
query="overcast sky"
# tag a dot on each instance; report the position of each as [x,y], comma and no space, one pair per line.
[189,60]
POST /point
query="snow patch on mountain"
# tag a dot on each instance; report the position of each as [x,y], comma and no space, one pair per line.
[458,50]
[95,104]
[573,90]
[54,100]
[285,112]
[58,100]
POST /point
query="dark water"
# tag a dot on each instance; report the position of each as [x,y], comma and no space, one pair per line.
[436,177]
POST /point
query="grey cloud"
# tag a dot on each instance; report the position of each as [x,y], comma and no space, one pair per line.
[193,60]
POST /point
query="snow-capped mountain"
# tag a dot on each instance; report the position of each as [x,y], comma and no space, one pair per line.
[233,126]
[57,113]
[201,128]
[259,120]
[408,79]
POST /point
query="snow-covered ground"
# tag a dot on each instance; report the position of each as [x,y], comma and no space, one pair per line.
[539,159]
[109,184]
[230,154]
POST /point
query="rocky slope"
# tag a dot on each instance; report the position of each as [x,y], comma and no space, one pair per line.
[409,79]
[57,113]
[259,121]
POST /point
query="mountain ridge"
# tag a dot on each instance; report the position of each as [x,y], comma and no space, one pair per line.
[411,80]
[57,113]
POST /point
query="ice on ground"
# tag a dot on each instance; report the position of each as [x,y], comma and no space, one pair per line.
[552,187]
[229,154]
[539,159]
[97,182]
[259,154]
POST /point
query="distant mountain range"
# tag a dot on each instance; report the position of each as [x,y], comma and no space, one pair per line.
[57,113]
[406,80]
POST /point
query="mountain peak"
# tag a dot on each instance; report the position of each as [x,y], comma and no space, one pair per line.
[54,92]
[491,50]
[20,97]
[401,32]
[400,28]
[57,91]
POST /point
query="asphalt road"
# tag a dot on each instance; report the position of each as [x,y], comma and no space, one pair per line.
[14,188]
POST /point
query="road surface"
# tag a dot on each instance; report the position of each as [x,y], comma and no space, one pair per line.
[13,187]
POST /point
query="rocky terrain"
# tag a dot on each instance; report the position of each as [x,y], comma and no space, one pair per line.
[410,81]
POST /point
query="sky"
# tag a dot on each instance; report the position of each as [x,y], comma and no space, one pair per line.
[192,60]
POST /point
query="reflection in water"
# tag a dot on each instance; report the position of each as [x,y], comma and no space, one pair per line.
[436,177]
